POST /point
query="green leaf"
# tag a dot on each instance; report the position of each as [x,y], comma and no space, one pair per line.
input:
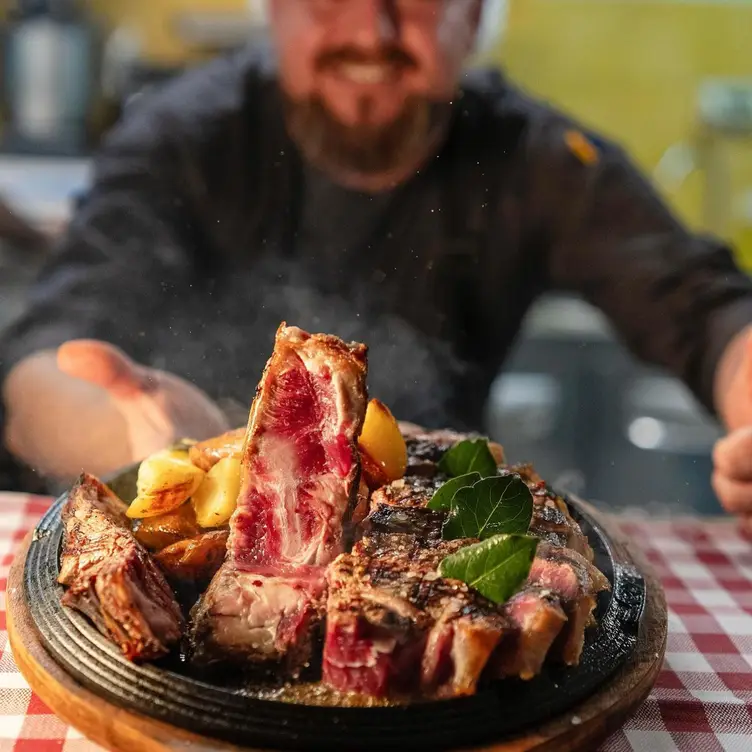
[502,504]
[495,567]
[442,499]
[468,456]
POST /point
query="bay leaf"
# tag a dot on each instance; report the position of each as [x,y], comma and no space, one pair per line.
[492,506]
[469,456]
[496,567]
[442,499]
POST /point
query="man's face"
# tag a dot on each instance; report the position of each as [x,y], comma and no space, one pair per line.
[367,82]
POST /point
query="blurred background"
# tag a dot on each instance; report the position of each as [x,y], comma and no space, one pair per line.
[670,79]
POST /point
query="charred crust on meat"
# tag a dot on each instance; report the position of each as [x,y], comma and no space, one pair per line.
[109,576]
[393,519]
[426,448]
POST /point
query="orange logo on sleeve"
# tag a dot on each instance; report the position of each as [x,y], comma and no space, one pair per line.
[581,147]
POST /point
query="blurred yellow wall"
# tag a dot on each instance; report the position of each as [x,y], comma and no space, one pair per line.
[153,21]
[631,69]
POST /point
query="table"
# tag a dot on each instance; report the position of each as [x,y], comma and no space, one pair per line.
[702,701]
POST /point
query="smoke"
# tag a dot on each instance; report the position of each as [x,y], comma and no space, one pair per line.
[223,347]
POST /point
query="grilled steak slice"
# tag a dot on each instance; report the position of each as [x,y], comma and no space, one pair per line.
[400,507]
[553,522]
[576,582]
[552,519]
[110,577]
[394,625]
[554,615]
[299,482]
[386,518]
[536,619]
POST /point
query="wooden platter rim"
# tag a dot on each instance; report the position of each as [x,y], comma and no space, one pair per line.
[120,729]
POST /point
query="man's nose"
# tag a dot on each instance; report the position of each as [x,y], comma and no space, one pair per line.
[371,23]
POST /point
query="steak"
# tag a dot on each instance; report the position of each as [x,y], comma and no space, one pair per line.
[536,618]
[299,481]
[110,578]
[400,507]
[549,615]
[576,582]
[394,625]
[552,520]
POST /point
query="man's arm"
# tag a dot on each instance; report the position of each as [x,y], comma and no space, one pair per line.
[677,299]
[125,266]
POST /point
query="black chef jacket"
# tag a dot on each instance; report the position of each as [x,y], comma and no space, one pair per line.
[204,229]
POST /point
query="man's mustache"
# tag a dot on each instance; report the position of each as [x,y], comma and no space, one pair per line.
[394,56]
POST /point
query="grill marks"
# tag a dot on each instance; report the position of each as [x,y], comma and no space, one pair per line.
[111,578]
[299,482]
[394,625]
[551,518]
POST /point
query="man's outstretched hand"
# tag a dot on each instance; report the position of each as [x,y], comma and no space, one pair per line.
[89,406]
[732,456]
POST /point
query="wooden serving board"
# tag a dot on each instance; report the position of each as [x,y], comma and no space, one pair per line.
[581,728]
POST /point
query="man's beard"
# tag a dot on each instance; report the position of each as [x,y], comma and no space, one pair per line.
[367,150]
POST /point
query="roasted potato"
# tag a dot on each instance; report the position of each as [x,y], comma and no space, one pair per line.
[160,532]
[165,481]
[215,499]
[207,453]
[383,451]
[195,560]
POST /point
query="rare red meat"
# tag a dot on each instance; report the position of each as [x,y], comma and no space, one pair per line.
[536,619]
[576,582]
[394,625]
[300,472]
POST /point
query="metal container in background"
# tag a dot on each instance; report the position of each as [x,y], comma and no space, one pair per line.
[49,65]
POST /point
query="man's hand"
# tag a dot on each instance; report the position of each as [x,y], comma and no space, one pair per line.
[732,456]
[89,406]
[732,474]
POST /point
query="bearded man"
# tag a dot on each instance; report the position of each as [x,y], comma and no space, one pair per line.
[357,181]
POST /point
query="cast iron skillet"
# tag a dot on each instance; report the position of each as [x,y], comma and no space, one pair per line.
[232,713]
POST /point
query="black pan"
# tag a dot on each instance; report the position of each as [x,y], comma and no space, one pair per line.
[236,714]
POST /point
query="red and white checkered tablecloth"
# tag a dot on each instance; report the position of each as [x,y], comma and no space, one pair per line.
[702,701]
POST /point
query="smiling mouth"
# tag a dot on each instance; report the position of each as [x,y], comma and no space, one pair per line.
[366,73]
